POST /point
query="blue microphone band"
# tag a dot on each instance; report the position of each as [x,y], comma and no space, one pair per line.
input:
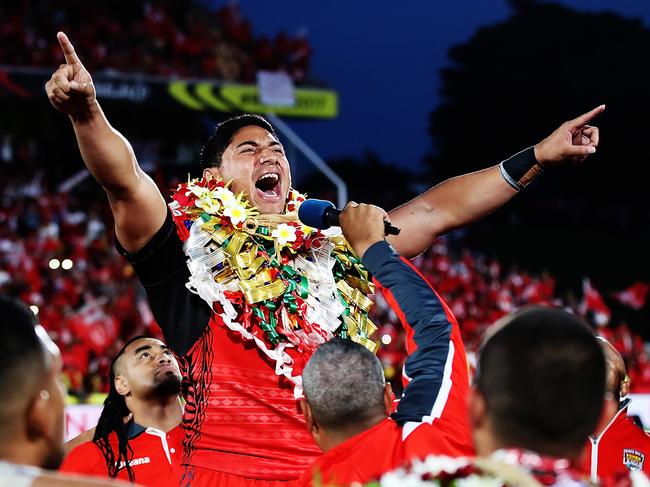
[323,214]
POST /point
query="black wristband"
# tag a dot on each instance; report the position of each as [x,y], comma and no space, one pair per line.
[521,169]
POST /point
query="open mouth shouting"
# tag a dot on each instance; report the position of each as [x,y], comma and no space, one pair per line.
[268,188]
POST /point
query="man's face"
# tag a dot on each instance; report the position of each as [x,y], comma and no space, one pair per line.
[149,369]
[256,164]
[53,392]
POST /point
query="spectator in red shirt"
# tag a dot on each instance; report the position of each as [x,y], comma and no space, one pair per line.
[145,382]
[347,402]
[621,444]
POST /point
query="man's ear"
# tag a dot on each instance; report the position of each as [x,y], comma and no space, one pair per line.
[211,173]
[309,417]
[476,409]
[389,399]
[122,385]
[37,415]
[485,441]
[625,386]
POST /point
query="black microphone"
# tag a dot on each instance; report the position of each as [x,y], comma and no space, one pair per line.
[323,214]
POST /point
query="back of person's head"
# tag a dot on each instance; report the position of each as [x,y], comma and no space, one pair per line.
[541,375]
[344,385]
[31,416]
[224,132]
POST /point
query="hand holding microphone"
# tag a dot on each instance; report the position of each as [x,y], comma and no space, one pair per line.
[323,214]
[362,225]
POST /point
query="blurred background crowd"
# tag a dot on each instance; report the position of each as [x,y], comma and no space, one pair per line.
[161,37]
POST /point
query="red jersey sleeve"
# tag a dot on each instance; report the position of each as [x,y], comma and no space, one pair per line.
[436,373]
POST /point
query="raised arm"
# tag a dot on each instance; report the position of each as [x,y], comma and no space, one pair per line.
[138,207]
[436,368]
[464,199]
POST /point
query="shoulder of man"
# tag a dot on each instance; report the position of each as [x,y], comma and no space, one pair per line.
[85,458]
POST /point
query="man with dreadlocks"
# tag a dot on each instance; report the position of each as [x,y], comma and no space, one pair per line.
[145,382]
[242,290]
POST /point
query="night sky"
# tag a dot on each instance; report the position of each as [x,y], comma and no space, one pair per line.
[383,58]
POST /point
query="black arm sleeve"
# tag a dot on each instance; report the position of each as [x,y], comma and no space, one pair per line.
[161,267]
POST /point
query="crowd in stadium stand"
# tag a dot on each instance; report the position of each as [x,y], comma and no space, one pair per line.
[480,291]
[156,37]
[92,303]
[56,254]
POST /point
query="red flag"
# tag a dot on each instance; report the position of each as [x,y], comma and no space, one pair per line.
[593,301]
[634,296]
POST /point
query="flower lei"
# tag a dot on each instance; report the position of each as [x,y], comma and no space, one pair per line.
[508,467]
[286,286]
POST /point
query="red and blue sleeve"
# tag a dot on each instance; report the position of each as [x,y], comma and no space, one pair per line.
[436,374]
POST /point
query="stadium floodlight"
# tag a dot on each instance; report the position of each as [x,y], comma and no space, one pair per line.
[54,264]
[67,264]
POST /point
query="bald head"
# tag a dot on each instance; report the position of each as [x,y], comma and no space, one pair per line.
[344,385]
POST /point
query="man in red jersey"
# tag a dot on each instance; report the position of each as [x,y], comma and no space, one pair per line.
[621,444]
[242,421]
[348,405]
[145,382]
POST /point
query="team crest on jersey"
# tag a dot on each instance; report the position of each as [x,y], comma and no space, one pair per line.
[633,459]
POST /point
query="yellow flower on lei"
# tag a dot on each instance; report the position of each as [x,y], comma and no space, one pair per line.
[226,196]
[208,203]
[236,212]
[196,190]
[284,233]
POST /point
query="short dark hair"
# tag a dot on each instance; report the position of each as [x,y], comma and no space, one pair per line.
[344,384]
[224,132]
[542,375]
[23,359]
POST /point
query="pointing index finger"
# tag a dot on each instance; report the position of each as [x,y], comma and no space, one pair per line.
[68,49]
[586,117]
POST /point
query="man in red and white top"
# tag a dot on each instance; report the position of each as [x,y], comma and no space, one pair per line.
[145,382]
[621,444]
[348,405]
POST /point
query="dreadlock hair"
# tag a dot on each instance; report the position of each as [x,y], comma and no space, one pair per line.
[112,421]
